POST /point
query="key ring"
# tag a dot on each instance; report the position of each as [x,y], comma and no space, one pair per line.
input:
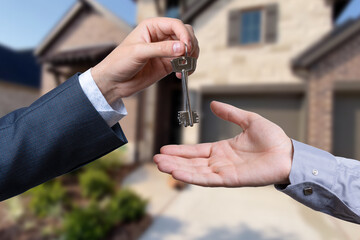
[186,51]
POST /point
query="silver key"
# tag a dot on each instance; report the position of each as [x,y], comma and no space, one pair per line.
[185,64]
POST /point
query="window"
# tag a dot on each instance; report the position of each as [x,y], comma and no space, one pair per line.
[250,28]
[172,9]
[253,26]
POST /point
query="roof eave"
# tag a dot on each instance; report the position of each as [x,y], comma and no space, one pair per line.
[324,46]
[71,14]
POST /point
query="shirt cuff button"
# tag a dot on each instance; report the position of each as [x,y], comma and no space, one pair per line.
[308,191]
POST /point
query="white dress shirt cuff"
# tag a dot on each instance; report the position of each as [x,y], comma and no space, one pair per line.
[111,114]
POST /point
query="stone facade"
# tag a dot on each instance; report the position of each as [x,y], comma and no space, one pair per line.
[300,24]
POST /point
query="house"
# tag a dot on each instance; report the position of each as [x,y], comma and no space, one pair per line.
[331,70]
[19,79]
[247,51]
[83,37]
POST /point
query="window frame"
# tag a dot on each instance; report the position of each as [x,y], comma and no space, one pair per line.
[261,41]
[269,32]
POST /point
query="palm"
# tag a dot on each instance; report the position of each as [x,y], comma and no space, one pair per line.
[260,155]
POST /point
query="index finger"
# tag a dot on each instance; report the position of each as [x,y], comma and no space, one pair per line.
[165,27]
[188,151]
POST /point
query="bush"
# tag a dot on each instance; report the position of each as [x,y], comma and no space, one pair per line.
[46,197]
[126,206]
[88,223]
[95,184]
[110,161]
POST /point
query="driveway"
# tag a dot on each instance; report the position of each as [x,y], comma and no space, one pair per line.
[237,213]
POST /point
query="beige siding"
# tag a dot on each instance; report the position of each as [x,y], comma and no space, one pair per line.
[300,24]
[146,9]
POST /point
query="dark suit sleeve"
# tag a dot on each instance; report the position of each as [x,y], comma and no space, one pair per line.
[59,132]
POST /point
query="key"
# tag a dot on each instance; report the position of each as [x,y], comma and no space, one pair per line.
[184,65]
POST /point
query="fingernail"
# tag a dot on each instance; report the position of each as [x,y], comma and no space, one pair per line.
[177,47]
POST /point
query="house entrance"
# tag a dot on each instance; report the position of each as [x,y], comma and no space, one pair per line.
[168,103]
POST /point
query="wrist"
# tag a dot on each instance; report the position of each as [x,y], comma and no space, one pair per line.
[286,165]
[107,87]
[290,155]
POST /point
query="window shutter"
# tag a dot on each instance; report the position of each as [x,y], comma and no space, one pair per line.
[234,26]
[271,25]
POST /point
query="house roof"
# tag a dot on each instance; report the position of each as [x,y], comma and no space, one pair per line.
[94,53]
[329,42]
[200,5]
[19,67]
[71,14]
[195,10]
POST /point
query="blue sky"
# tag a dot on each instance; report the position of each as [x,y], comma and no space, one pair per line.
[24,23]
[351,11]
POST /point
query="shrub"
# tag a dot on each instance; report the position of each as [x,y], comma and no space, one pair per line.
[110,161]
[46,197]
[95,184]
[126,206]
[88,223]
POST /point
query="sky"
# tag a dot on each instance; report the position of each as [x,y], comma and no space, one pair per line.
[351,11]
[25,23]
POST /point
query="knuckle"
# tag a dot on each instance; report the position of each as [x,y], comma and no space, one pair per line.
[190,27]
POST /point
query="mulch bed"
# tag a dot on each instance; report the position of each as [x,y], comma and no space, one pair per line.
[16,231]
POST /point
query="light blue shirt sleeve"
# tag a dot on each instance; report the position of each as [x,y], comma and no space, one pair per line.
[324,182]
[111,114]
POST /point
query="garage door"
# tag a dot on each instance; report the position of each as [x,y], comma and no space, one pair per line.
[286,110]
[346,127]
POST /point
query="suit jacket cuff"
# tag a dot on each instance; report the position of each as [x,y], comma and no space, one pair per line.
[58,133]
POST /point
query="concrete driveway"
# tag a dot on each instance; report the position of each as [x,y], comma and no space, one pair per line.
[238,213]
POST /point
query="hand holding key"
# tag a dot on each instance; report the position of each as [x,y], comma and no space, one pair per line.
[143,57]
[184,65]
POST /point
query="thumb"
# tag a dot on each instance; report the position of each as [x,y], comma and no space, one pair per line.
[232,114]
[161,49]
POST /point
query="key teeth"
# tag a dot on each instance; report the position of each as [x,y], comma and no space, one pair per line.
[184,118]
[196,118]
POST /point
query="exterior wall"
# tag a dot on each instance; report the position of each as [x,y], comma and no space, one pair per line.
[88,29]
[50,81]
[300,24]
[146,9]
[14,96]
[339,66]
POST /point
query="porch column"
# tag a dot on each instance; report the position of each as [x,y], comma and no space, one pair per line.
[320,114]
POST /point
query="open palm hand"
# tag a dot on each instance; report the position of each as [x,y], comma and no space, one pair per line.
[260,155]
